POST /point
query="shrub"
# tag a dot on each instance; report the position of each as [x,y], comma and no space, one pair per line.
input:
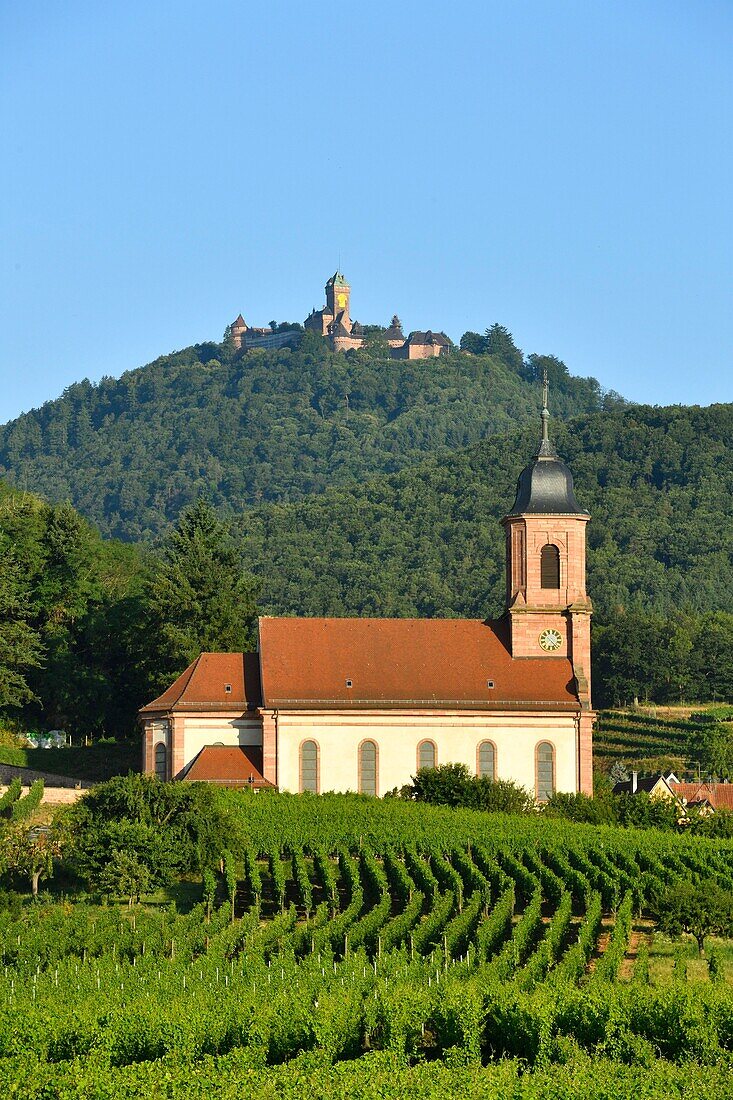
[453,785]
[579,807]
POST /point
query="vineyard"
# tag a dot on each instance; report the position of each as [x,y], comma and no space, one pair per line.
[350,942]
[661,742]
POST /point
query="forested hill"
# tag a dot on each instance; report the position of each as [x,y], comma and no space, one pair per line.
[130,454]
[90,628]
[427,541]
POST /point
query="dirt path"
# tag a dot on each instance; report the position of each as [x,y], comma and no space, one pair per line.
[641,935]
[601,945]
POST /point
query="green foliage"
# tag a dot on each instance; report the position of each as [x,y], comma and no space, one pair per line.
[608,964]
[499,343]
[69,611]
[170,828]
[668,658]
[10,797]
[427,541]
[209,891]
[159,1002]
[579,807]
[640,811]
[20,644]
[231,880]
[29,854]
[133,453]
[715,966]
[93,629]
[714,748]
[700,909]
[200,597]
[453,785]
[23,809]
[125,875]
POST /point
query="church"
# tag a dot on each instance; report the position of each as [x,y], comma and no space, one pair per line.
[362,704]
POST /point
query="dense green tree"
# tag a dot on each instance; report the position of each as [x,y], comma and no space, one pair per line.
[711,656]
[500,344]
[169,828]
[557,372]
[201,599]
[72,602]
[473,342]
[640,811]
[714,749]
[20,644]
[699,910]
[29,854]
[125,875]
[453,785]
[581,808]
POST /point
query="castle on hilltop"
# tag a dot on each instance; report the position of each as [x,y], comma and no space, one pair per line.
[334,324]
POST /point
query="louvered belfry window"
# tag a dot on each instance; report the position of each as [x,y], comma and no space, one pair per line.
[309,767]
[549,567]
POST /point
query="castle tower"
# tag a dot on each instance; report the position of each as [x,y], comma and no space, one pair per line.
[237,331]
[338,299]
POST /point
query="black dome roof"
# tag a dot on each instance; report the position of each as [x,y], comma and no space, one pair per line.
[546,485]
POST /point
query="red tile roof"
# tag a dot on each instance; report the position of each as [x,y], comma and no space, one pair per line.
[203,685]
[230,766]
[719,795]
[398,662]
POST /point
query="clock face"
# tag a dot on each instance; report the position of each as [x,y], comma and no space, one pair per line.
[550,640]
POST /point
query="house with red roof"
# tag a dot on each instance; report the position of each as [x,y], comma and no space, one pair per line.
[361,704]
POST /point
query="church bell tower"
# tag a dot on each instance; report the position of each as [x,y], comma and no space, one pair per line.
[547,603]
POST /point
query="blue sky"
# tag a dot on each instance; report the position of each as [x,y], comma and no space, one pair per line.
[563,168]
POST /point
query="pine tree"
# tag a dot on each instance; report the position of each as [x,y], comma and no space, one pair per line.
[500,343]
[202,599]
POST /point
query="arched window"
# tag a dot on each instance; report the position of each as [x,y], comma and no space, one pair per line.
[487,760]
[309,766]
[426,755]
[549,567]
[161,761]
[368,767]
[545,768]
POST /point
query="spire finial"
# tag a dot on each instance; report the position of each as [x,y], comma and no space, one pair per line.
[546,448]
[545,410]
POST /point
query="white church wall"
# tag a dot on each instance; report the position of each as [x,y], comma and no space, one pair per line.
[199,731]
[456,737]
